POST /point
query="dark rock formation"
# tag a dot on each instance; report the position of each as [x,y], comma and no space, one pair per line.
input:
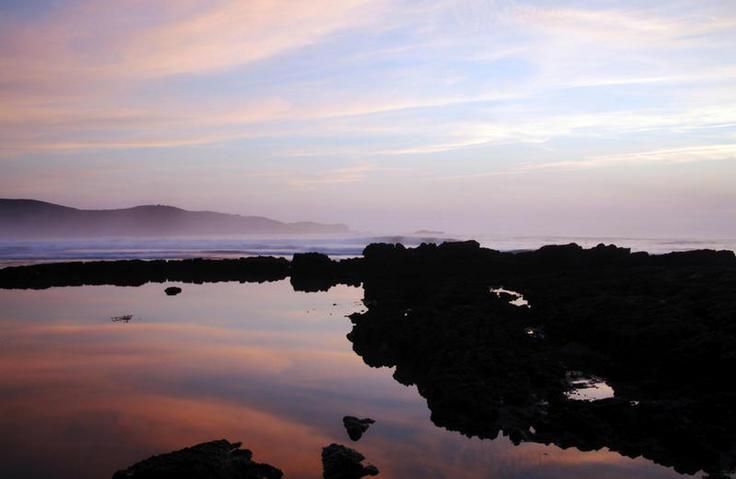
[356,427]
[210,460]
[660,329]
[137,272]
[340,462]
[312,272]
[172,290]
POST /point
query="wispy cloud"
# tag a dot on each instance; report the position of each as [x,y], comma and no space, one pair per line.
[688,154]
[232,33]
[351,174]
[71,83]
[664,156]
[89,40]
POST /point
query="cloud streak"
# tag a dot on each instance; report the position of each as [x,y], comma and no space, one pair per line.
[688,154]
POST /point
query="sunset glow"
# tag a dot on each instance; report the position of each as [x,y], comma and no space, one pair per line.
[469,116]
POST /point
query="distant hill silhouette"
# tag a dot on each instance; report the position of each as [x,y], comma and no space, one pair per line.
[20,218]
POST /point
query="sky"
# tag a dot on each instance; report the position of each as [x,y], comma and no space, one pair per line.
[494,117]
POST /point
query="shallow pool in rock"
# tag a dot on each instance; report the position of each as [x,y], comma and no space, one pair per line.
[83,396]
[585,387]
[514,297]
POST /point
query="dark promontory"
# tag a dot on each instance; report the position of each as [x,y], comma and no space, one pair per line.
[21,219]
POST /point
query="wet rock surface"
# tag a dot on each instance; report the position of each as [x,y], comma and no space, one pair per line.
[340,462]
[211,460]
[172,291]
[356,427]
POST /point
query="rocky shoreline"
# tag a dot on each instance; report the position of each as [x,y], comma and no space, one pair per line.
[659,329]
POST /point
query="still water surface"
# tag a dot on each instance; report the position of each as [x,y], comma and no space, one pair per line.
[82,396]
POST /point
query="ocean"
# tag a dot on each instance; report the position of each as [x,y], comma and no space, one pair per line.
[19,252]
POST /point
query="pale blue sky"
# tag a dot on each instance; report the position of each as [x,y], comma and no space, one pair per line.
[471,116]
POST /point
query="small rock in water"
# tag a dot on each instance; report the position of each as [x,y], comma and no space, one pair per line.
[356,427]
[172,290]
[340,462]
[210,460]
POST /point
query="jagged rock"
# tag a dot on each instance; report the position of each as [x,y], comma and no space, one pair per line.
[172,290]
[340,462]
[659,328]
[210,460]
[356,427]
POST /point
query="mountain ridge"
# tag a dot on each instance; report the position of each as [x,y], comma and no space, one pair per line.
[31,218]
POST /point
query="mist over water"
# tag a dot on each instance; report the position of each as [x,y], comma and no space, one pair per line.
[18,252]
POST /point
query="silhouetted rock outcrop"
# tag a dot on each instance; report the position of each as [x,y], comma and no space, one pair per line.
[137,272]
[211,460]
[340,462]
[172,290]
[356,427]
[660,329]
[312,272]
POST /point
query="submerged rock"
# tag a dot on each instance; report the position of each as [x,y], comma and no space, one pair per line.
[172,290]
[356,427]
[340,462]
[210,460]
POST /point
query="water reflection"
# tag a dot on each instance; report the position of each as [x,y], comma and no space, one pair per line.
[82,396]
[587,388]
